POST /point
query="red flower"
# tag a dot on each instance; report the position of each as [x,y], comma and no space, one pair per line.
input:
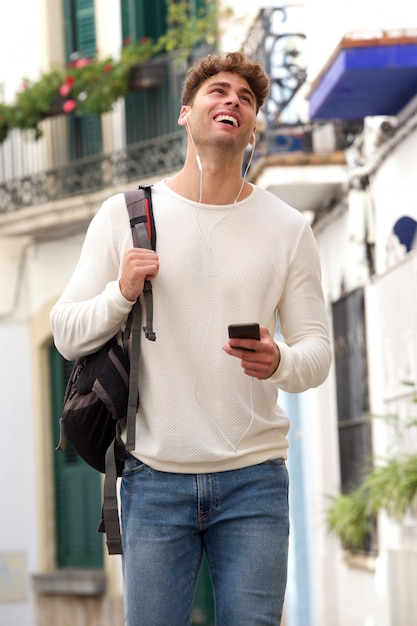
[107,68]
[82,62]
[126,41]
[69,106]
[64,90]
[70,80]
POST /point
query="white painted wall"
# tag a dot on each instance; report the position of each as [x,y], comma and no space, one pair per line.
[351,596]
[19,515]
[395,192]
[20,32]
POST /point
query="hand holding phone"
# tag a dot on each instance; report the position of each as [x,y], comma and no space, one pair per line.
[244,331]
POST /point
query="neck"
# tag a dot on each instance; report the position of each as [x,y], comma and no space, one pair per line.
[221,183]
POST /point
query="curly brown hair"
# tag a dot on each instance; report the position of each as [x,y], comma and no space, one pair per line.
[235,62]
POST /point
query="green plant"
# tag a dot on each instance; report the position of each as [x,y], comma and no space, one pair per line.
[33,102]
[393,487]
[348,518]
[93,85]
[186,28]
[4,121]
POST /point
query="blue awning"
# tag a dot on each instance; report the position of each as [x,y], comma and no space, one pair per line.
[366,77]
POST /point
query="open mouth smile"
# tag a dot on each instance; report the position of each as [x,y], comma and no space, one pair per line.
[227,119]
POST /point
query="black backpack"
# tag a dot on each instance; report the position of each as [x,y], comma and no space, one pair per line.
[102,390]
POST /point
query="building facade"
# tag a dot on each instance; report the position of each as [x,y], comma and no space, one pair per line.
[323,146]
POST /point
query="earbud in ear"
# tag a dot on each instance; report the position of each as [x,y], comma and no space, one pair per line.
[182,120]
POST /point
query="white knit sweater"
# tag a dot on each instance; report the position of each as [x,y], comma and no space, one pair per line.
[247,262]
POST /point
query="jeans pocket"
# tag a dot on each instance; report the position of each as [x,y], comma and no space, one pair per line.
[133,465]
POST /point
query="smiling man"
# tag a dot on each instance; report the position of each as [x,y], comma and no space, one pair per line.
[208,473]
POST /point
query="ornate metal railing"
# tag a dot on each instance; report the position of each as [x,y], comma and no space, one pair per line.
[135,163]
[276,42]
[281,52]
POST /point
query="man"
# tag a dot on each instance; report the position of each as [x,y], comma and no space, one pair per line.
[208,473]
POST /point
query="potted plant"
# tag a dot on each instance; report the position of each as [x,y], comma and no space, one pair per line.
[349,519]
[392,487]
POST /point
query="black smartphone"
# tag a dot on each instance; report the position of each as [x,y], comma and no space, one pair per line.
[244,331]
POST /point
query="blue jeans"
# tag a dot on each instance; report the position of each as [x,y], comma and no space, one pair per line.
[238,517]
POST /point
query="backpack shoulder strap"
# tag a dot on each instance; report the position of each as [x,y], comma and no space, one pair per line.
[139,206]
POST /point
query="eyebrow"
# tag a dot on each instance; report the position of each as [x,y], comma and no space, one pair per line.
[242,90]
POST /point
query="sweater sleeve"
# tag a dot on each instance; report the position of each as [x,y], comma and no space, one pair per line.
[92,309]
[305,350]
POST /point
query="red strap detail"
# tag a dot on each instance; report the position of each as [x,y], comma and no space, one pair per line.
[148,221]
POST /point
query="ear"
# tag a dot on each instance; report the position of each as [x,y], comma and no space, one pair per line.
[253,138]
[183,113]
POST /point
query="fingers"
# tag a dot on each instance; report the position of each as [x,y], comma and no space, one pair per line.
[139,265]
[260,363]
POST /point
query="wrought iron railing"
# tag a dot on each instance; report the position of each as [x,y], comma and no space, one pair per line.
[280,50]
[277,43]
[135,163]
[24,181]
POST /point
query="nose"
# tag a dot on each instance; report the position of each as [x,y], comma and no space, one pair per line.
[232,99]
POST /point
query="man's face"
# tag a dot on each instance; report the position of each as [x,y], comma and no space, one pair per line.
[223,112]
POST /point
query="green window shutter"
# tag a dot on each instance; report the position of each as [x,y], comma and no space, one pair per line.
[152,112]
[155,18]
[80,37]
[79,24]
[131,11]
[86,28]
[86,137]
[69,32]
[143,18]
[77,488]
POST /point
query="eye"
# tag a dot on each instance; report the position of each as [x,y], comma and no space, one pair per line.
[247,98]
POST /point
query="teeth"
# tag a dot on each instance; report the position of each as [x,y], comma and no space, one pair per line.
[228,119]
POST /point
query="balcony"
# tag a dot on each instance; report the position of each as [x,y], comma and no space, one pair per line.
[366,76]
[48,186]
[50,202]
[302,163]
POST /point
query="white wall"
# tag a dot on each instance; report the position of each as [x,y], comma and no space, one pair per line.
[394,189]
[18,519]
[359,597]
[20,43]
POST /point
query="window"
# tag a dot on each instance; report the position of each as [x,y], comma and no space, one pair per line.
[152,112]
[80,39]
[143,18]
[352,389]
[355,445]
